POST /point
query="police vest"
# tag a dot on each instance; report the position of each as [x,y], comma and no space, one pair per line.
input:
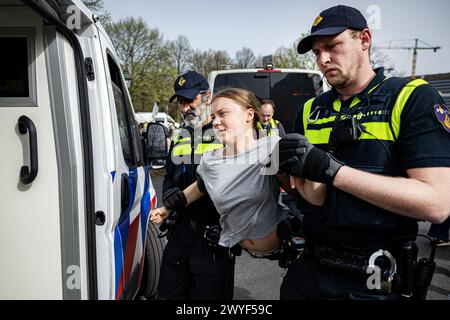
[379,114]
[189,151]
[273,127]
[186,152]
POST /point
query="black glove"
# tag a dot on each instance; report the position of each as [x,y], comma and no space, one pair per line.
[174,199]
[293,151]
[300,158]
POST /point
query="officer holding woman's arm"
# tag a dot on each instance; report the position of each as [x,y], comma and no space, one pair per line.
[382,147]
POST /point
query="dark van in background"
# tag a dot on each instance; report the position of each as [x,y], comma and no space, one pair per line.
[288,88]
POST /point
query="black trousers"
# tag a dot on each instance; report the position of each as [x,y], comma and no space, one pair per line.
[191,270]
[307,279]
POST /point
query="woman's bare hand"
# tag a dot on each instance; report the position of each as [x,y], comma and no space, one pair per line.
[159,214]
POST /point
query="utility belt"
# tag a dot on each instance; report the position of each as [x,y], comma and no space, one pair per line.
[271,255]
[199,226]
[339,259]
[389,270]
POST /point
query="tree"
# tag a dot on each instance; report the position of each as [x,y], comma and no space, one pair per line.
[180,52]
[380,59]
[145,57]
[97,7]
[289,57]
[198,61]
[206,61]
[218,60]
[244,58]
[258,61]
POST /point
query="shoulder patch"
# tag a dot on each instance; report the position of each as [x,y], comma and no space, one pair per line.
[442,113]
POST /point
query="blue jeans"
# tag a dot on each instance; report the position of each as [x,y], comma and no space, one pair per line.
[440,231]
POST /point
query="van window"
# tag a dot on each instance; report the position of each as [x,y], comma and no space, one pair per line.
[17,67]
[288,90]
[14,67]
[258,83]
[123,126]
[130,136]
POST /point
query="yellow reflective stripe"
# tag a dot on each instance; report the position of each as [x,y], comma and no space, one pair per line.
[318,136]
[325,120]
[377,85]
[179,139]
[259,125]
[401,101]
[181,150]
[273,133]
[205,147]
[380,130]
[185,149]
[272,124]
[337,105]
[306,112]
[356,100]
[182,140]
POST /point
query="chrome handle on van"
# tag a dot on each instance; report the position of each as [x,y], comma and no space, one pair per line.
[28,174]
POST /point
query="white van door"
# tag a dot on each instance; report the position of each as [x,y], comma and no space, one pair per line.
[43,228]
[36,179]
[132,195]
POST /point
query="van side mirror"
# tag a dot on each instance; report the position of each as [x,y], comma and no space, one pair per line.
[156,145]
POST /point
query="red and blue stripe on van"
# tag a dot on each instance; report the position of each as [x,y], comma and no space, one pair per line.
[127,236]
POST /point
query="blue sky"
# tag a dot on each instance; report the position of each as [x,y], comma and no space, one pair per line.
[265,25]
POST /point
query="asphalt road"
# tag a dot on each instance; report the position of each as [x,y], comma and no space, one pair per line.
[260,279]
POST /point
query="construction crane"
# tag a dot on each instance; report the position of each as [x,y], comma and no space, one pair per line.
[415,47]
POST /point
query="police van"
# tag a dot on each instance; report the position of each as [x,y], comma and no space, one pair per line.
[288,88]
[75,188]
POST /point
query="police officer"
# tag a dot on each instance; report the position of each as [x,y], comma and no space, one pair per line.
[381,146]
[193,267]
[267,124]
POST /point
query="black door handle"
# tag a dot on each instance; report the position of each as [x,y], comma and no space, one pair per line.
[28,174]
[124,192]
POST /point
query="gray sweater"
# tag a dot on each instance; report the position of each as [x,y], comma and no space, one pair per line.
[244,190]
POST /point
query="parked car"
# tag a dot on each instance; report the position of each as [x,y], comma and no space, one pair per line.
[166,120]
[75,189]
[161,117]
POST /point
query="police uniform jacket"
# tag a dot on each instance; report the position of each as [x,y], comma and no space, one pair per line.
[274,128]
[399,128]
[181,169]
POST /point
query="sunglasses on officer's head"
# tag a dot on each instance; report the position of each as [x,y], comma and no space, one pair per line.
[182,100]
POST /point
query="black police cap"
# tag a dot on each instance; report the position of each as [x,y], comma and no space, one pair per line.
[333,21]
[189,85]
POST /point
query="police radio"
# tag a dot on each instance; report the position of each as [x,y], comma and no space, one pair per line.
[407,265]
[343,131]
[424,274]
[415,276]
